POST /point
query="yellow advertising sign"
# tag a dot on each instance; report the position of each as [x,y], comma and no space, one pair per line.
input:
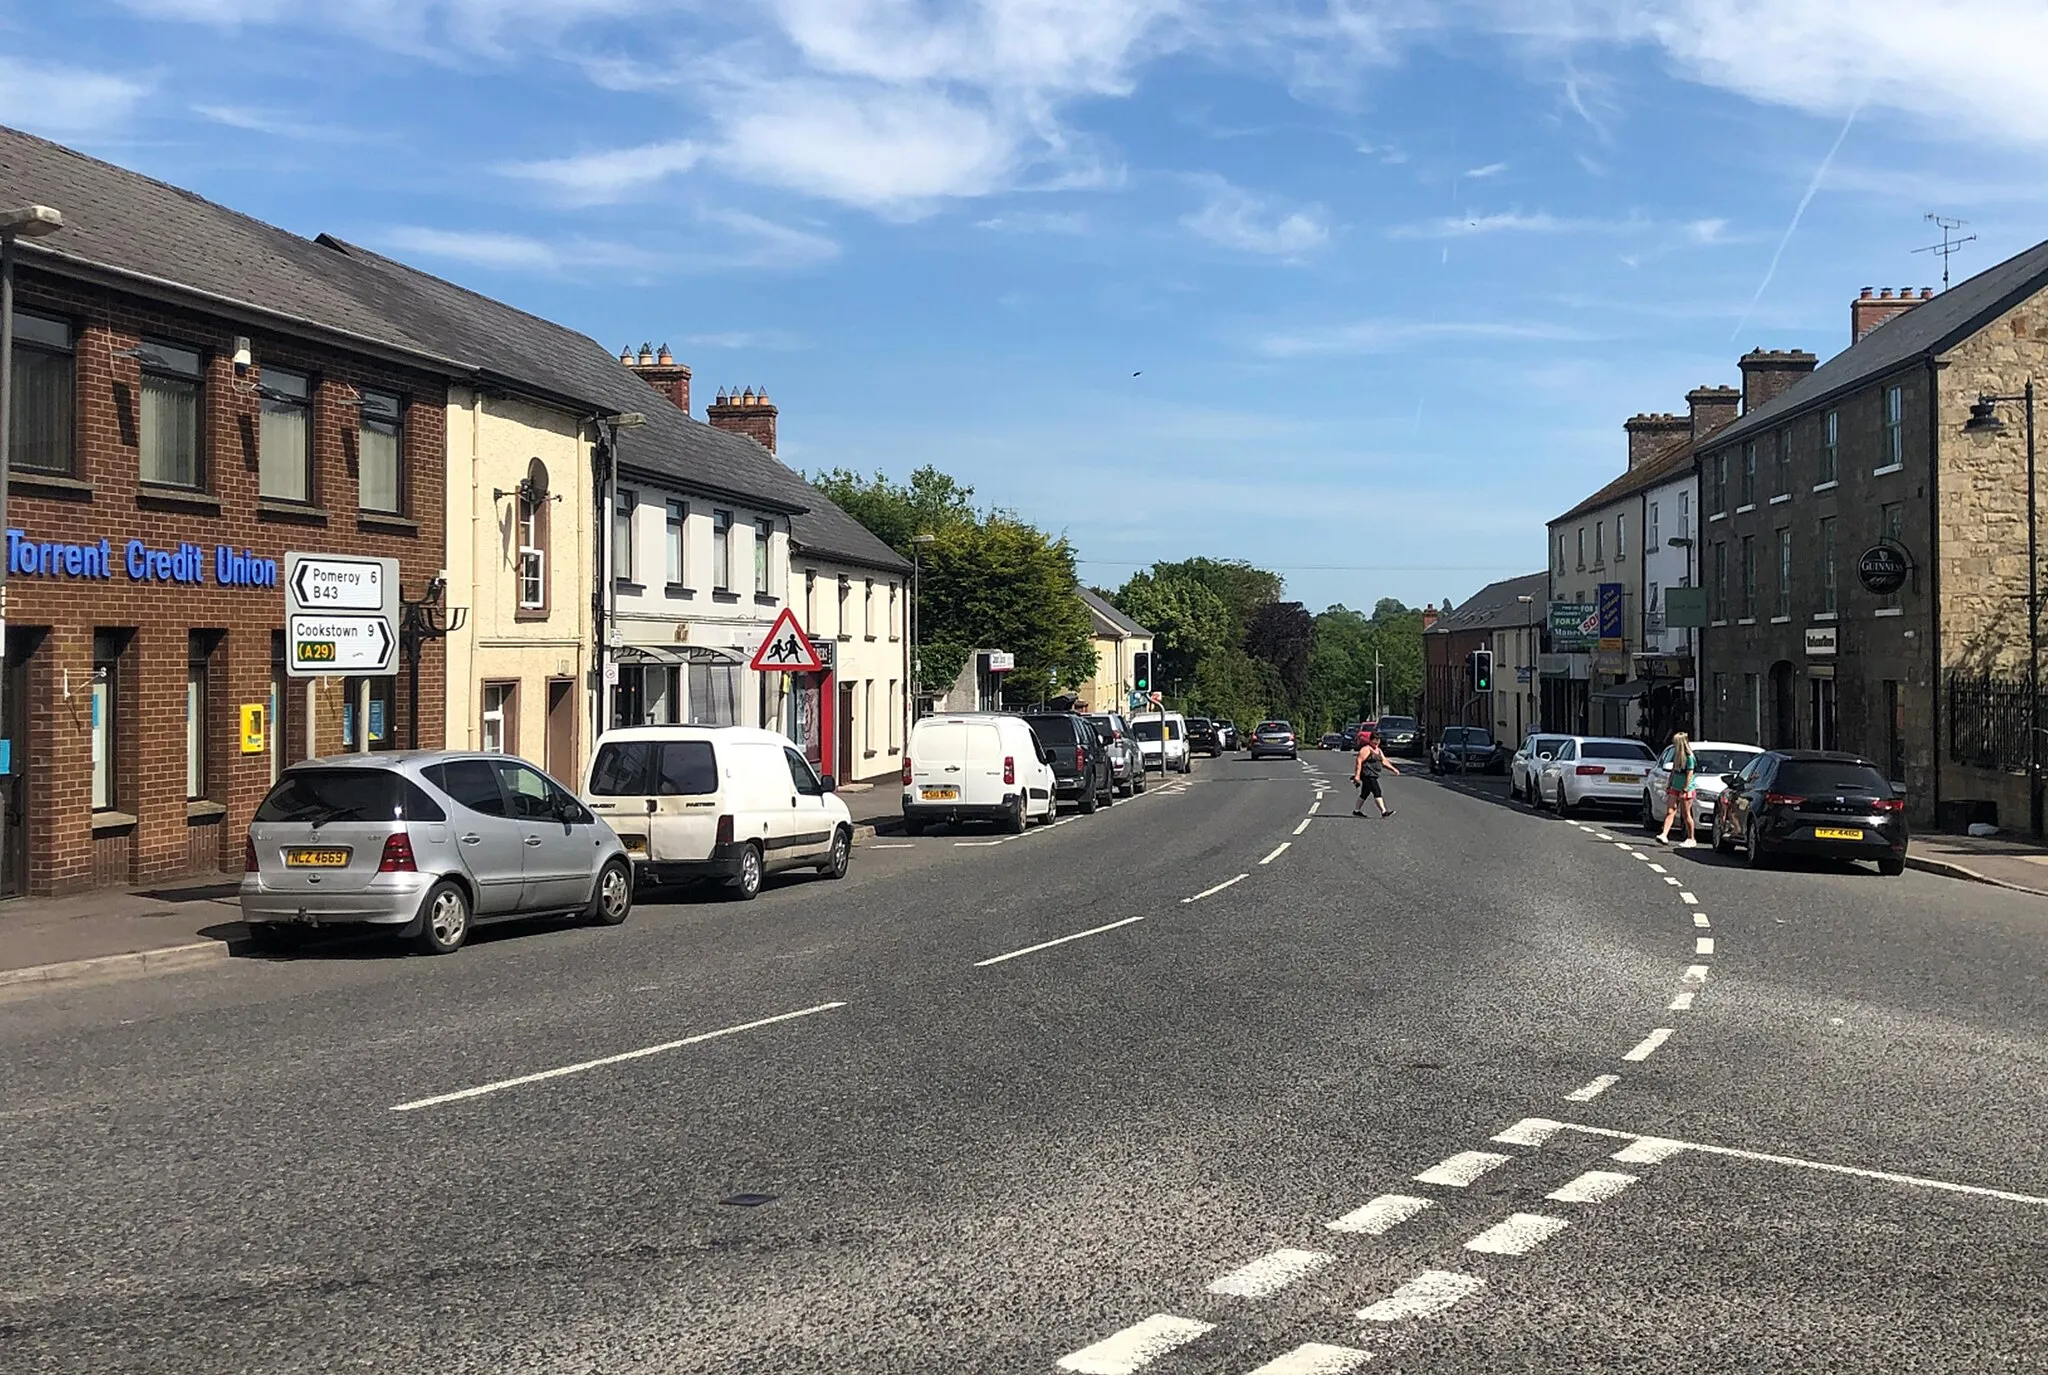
[253,727]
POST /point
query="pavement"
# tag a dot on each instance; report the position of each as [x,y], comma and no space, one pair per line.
[1220,1080]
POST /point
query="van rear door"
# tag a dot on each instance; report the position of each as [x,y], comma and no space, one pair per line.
[661,796]
[938,760]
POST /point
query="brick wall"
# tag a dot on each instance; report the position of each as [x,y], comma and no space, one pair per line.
[53,618]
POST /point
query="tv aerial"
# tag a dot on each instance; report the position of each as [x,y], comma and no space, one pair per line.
[1949,245]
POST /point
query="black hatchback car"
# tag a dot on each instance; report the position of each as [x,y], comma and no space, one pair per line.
[1400,735]
[1203,737]
[1812,802]
[1082,771]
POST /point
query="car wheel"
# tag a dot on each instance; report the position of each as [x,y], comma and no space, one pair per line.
[1087,802]
[746,884]
[913,826]
[1717,837]
[1564,803]
[1108,795]
[1017,821]
[611,901]
[1649,821]
[839,856]
[1138,783]
[1753,852]
[444,920]
[1891,866]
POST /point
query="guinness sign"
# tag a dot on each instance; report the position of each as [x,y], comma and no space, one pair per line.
[1883,569]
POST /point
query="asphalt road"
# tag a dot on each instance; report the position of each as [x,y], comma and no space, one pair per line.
[1468,1090]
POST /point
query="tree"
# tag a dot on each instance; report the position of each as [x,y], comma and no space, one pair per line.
[929,503]
[1242,588]
[1283,634]
[1189,623]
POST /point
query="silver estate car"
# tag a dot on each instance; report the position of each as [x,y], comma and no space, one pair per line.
[427,843]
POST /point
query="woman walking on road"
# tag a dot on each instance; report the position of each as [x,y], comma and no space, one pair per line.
[1365,772]
[1678,792]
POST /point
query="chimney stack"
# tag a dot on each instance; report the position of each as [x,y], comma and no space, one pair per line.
[1766,373]
[1871,309]
[662,372]
[1649,433]
[748,413]
[1429,616]
[1712,408]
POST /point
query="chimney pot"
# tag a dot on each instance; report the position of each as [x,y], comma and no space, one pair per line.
[664,358]
[1926,293]
[647,354]
[626,355]
[1868,292]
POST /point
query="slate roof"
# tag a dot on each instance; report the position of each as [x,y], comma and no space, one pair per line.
[1110,621]
[1495,606]
[1932,327]
[1661,466]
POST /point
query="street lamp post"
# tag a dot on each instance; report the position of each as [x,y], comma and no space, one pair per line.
[916,671]
[1984,420]
[1691,646]
[608,598]
[1528,646]
[26,222]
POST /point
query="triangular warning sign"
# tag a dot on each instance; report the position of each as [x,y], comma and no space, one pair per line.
[787,649]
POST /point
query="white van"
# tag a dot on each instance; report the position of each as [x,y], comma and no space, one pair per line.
[717,802]
[1149,727]
[975,766]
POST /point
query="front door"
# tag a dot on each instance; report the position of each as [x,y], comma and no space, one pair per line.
[559,853]
[14,788]
[845,742]
[811,832]
[1822,727]
[492,844]
[561,750]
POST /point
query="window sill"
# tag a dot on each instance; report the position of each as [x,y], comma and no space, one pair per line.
[1889,611]
[1745,508]
[1716,624]
[765,599]
[177,499]
[677,590]
[1745,620]
[53,485]
[1718,515]
[1782,496]
[530,613]
[869,638]
[724,598]
[626,587]
[845,639]
[1888,468]
[199,809]
[1781,620]
[1827,615]
[386,523]
[1827,486]
[112,821]
[271,508]
[869,754]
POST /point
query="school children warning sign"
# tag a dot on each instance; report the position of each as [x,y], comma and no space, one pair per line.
[787,649]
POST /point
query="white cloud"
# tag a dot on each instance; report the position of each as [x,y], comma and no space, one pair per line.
[1385,336]
[1492,169]
[612,175]
[1512,222]
[763,243]
[50,98]
[1036,222]
[1710,231]
[479,248]
[1238,219]
[274,123]
[764,340]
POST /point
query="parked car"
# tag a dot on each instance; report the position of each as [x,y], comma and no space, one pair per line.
[1712,759]
[1331,740]
[427,844]
[1080,765]
[1126,762]
[1401,735]
[1226,735]
[976,766]
[1594,771]
[1465,749]
[1274,739]
[1202,737]
[725,803]
[1348,737]
[1529,760]
[1812,802]
[1163,741]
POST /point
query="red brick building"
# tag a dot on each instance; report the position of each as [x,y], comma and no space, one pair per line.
[195,395]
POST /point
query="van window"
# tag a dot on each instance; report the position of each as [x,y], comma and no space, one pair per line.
[621,769]
[1615,749]
[319,796]
[470,782]
[654,768]
[1052,730]
[801,775]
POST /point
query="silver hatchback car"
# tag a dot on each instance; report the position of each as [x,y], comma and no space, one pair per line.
[428,844]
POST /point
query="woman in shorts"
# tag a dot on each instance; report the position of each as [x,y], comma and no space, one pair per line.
[1366,774]
[1679,791]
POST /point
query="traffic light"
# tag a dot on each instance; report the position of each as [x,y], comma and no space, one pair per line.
[1482,670]
[1141,671]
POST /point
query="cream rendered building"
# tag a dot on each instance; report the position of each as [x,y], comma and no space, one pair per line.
[1117,639]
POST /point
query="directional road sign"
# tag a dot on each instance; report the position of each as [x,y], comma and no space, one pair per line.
[341,614]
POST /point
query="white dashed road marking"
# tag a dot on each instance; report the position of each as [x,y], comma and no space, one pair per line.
[1047,945]
[1428,1293]
[1658,869]
[1647,1150]
[1695,973]
[1703,945]
[1269,1274]
[1519,1235]
[1131,1350]
[1682,1003]
[1211,892]
[1380,1216]
[1688,899]
[1699,919]
[872,845]
[978,844]
[1594,1186]
[1670,880]
[1302,827]
[1278,850]
[1648,1044]
[1461,1169]
[1530,1131]
[1316,1358]
[1594,1089]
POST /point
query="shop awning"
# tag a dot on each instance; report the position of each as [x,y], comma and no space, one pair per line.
[1623,692]
[677,654]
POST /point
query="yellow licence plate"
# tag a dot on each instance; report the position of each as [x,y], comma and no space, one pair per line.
[316,859]
[1624,778]
[1836,833]
[635,845]
[941,794]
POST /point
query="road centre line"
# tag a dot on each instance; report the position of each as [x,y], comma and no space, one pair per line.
[1593,1090]
[481,1089]
[1270,1273]
[872,845]
[1699,919]
[1682,1003]
[1380,1216]
[1687,898]
[1461,1169]
[1211,892]
[1316,1358]
[1703,945]
[1695,973]
[976,844]
[1278,850]
[1647,1045]
[1131,1350]
[1061,940]
[1658,869]
[1670,880]
[1429,1293]
[1316,805]
[1594,1186]
[1302,827]
[1519,1235]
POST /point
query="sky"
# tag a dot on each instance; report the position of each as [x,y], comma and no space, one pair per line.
[1361,291]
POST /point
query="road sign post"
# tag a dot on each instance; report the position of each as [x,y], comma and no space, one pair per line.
[341,615]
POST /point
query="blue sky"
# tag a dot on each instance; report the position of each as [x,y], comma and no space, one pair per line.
[1390,275]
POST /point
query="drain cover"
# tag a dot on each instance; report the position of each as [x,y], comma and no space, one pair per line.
[747,1200]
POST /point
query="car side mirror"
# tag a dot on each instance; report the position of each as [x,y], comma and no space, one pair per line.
[1731,780]
[1898,790]
[1045,754]
[827,783]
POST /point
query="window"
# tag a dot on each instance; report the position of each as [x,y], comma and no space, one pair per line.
[895,628]
[714,694]
[1560,553]
[533,797]
[1830,438]
[648,695]
[1753,701]
[170,415]
[1719,488]
[1784,571]
[867,715]
[500,733]
[801,776]
[1651,601]
[106,704]
[1650,540]
[651,768]
[1721,580]
[533,552]
[1748,475]
[39,416]
[810,600]
[624,502]
[721,551]
[1827,564]
[1582,546]
[323,795]
[198,652]
[381,459]
[371,697]
[1621,537]
[1894,426]
[1894,729]
[678,519]
[471,782]
[764,533]
[1685,513]
[895,708]
[1720,695]
[1784,487]
[867,610]
[1748,577]
[1891,524]
[845,587]
[284,462]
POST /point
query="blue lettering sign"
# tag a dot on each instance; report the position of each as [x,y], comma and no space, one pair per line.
[187,563]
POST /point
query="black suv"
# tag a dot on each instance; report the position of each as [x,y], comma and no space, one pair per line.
[1811,802]
[1400,735]
[1203,736]
[1465,749]
[1081,767]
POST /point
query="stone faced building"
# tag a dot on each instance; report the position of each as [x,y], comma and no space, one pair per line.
[1868,454]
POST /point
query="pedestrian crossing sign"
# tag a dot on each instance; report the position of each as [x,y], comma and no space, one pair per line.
[787,649]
